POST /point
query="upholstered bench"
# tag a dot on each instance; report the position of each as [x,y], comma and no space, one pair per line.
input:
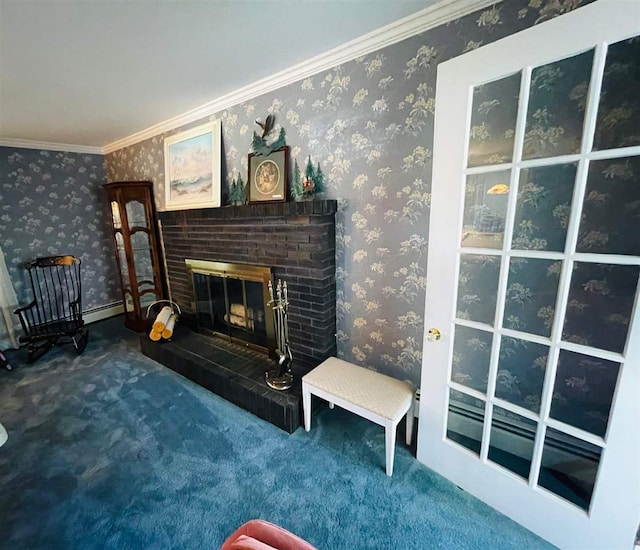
[374,396]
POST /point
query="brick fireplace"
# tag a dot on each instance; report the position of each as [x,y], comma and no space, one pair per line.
[296,240]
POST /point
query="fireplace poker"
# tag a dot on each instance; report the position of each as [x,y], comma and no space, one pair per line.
[280,378]
[285,307]
[271,293]
[274,305]
[279,316]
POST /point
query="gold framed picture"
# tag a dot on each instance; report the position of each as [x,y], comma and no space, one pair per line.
[192,168]
[268,176]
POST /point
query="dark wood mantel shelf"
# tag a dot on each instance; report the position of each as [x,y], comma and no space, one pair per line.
[250,211]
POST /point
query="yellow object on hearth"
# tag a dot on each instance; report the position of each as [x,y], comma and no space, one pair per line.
[168,329]
[161,320]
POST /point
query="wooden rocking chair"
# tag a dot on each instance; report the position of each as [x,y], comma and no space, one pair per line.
[55,314]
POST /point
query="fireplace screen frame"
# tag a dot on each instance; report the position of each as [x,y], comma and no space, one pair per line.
[242,272]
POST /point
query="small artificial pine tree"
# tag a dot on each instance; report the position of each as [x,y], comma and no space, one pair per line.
[241,190]
[280,142]
[232,190]
[258,145]
[320,186]
[296,184]
[310,176]
[237,194]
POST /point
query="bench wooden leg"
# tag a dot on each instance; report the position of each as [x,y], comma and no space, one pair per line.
[390,445]
[410,414]
[306,406]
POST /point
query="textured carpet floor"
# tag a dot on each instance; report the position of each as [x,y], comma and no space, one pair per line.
[112,450]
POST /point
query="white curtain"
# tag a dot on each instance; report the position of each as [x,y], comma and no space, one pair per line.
[8,304]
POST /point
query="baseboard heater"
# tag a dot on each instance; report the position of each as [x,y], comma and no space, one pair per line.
[102,312]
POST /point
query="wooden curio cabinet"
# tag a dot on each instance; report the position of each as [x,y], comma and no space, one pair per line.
[136,248]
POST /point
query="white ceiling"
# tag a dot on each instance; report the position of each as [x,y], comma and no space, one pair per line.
[90,72]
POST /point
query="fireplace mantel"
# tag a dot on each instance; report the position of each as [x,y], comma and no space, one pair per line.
[253,211]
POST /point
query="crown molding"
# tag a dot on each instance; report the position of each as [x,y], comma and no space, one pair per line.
[419,22]
[50,146]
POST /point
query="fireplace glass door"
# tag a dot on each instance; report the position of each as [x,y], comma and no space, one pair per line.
[231,301]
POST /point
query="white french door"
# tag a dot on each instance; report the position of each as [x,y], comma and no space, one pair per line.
[530,397]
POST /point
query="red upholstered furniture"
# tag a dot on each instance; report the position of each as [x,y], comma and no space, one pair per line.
[262,535]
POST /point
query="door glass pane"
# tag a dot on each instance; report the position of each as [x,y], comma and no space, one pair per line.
[142,256]
[485,209]
[543,207]
[240,323]
[146,286]
[204,305]
[115,215]
[478,288]
[511,443]
[618,123]
[465,420]
[217,294]
[583,391]
[493,121]
[521,371]
[531,295]
[148,294]
[557,102]
[569,467]
[256,312]
[128,303]
[600,303]
[611,208]
[471,354]
[147,299]
[136,214]
[122,258]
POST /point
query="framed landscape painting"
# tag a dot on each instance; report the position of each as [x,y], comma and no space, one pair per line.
[192,168]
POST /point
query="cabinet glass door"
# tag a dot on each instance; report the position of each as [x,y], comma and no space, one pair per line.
[137,256]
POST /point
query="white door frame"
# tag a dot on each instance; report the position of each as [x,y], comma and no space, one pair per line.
[616,500]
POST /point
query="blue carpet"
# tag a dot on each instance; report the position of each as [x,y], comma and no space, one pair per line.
[112,450]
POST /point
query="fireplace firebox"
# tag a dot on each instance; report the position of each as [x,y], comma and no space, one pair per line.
[231,302]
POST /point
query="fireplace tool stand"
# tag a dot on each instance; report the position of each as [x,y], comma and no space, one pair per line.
[280,378]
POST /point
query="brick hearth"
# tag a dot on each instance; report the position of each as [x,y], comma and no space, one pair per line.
[232,371]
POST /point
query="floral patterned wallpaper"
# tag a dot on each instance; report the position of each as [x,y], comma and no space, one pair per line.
[369,123]
[52,203]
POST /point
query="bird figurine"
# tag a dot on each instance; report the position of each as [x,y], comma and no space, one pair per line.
[267,126]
